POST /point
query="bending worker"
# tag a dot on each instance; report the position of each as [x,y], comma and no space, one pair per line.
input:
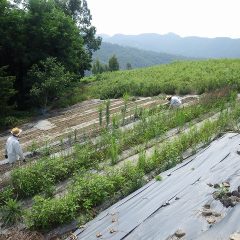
[174,101]
[13,150]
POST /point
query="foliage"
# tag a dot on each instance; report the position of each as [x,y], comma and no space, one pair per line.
[179,77]
[11,212]
[137,58]
[113,150]
[49,213]
[126,98]
[34,30]
[107,112]
[91,189]
[6,194]
[100,114]
[142,160]
[98,67]
[221,191]
[113,64]
[7,90]
[128,66]
[158,178]
[50,81]
[34,178]
[79,11]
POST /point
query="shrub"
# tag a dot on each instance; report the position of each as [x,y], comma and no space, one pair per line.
[48,213]
[6,194]
[11,212]
[158,178]
[92,190]
[133,176]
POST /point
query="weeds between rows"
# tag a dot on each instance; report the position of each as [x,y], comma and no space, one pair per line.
[126,180]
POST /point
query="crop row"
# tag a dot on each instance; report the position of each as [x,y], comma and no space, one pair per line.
[35,178]
[90,190]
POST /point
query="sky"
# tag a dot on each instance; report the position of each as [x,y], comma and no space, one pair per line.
[203,18]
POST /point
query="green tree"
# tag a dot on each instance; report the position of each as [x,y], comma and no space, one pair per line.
[128,66]
[98,67]
[33,30]
[50,81]
[80,13]
[7,90]
[113,63]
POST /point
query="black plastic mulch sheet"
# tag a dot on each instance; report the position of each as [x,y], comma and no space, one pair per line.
[159,208]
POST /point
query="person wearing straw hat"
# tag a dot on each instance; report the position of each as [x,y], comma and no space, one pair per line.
[174,101]
[13,150]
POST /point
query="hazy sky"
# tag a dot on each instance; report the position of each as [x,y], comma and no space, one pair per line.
[205,18]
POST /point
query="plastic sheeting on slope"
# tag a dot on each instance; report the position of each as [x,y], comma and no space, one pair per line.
[159,208]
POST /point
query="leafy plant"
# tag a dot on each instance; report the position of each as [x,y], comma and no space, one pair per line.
[158,178]
[6,194]
[126,98]
[221,192]
[114,150]
[142,160]
[100,114]
[107,112]
[11,212]
[48,213]
[50,81]
[33,147]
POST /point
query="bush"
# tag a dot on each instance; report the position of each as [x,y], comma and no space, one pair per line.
[134,178]
[48,213]
[92,189]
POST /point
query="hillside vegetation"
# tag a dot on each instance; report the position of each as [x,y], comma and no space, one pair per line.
[136,57]
[179,77]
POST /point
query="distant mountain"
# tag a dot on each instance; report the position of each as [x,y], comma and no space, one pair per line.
[220,47]
[136,57]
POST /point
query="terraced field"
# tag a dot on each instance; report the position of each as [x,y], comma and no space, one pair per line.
[89,167]
[83,117]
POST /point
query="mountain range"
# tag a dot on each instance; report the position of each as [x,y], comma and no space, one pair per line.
[197,47]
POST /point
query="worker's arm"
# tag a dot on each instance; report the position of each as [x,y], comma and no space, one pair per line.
[18,150]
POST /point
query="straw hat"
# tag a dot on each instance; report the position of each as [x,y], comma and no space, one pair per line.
[16,131]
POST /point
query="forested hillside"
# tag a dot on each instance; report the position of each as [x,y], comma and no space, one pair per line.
[136,57]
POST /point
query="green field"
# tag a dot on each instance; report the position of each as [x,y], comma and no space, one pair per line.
[176,78]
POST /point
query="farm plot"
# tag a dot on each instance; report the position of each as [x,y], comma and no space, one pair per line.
[79,120]
[93,183]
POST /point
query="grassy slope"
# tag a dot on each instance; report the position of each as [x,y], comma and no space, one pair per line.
[179,77]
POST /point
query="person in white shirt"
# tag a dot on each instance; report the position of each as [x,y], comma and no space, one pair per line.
[13,150]
[174,101]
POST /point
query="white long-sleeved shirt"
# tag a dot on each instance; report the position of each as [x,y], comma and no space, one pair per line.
[175,101]
[13,149]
